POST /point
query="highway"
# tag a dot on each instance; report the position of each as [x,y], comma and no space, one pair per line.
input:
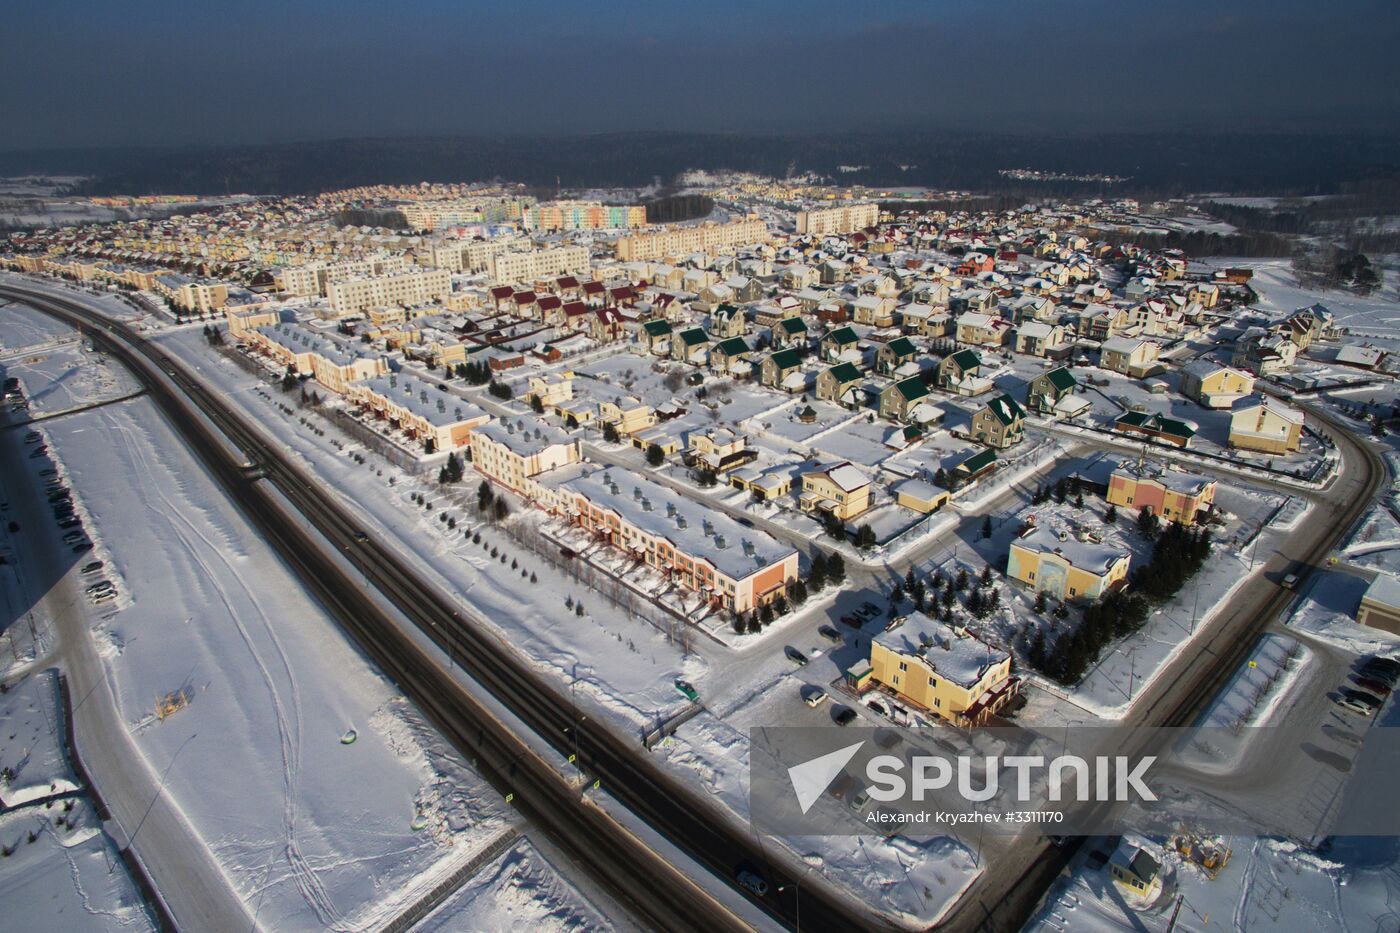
[626,866]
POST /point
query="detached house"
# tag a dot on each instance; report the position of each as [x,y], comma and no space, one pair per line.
[837,342]
[961,373]
[873,310]
[731,356]
[900,401]
[840,384]
[789,332]
[982,330]
[727,321]
[1000,423]
[777,367]
[840,490]
[1130,356]
[1037,338]
[1157,427]
[656,337]
[691,346]
[1265,424]
[1213,385]
[896,353]
[1048,391]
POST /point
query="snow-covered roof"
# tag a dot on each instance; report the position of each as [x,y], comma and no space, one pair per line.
[961,658]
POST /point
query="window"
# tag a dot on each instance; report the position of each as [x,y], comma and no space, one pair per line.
[1031,575]
[903,666]
[895,680]
[932,682]
[1072,591]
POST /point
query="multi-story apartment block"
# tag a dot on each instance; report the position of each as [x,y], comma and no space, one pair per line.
[421,286]
[847,218]
[422,410]
[514,453]
[583,215]
[528,266]
[705,238]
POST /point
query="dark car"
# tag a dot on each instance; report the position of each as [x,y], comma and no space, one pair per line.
[844,716]
[82,547]
[1373,686]
[1374,664]
[852,621]
[745,522]
[797,656]
[1361,696]
[829,633]
[92,567]
[70,523]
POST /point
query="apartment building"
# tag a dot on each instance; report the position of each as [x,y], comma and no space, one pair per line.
[734,567]
[847,218]
[513,453]
[422,410]
[313,279]
[422,286]
[333,364]
[583,215]
[424,216]
[530,265]
[943,670]
[704,238]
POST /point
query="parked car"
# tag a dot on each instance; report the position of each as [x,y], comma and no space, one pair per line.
[92,567]
[752,883]
[37,452]
[1373,664]
[687,691]
[852,621]
[1362,696]
[815,697]
[1353,705]
[844,716]
[70,523]
[82,547]
[33,437]
[870,608]
[797,656]
[829,633]
[1372,686]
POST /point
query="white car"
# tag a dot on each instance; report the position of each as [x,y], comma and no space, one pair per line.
[816,698]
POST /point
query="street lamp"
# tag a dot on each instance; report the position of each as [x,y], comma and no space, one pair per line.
[797,899]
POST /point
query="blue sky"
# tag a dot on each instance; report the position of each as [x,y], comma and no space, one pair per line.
[83,72]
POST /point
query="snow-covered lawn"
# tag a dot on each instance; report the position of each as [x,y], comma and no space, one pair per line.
[31,740]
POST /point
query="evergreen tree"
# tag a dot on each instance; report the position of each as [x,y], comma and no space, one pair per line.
[961,583]
[987,526]
[836,569]
[610,433]
[987,575]
[1110,516]
[1040,602]
[655,455]
[816,577]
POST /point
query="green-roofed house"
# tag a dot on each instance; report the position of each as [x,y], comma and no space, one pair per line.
[656,335]
[790,332]
[840,384]
[776,367]
[690,345]
[895,354]
[1046,390]
[726,356]
[1000,423]
[954,369]
[1158,427]
[838,341]
[898,399]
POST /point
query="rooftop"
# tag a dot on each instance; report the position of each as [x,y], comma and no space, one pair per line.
[960,658]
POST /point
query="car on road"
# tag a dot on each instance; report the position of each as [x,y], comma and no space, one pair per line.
[815,697]
[797,656]
[1352,705]
[829,633]
[360,536]
[844,716]
[752,883]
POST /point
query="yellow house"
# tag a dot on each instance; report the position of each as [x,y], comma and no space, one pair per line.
[1064,566]
[626,413]
[551,389]
[943,670]
[1265,424]
[839,489]
[1213,385]
[1137,870]
[1130,356]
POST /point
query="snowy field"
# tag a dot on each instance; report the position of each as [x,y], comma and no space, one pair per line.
[69,877]
[313,832]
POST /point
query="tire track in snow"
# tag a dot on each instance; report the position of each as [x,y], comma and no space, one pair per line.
[288,727]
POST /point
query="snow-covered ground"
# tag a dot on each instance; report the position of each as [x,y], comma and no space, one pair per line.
[519,891]
[31,740]
[309,830]
[60,872]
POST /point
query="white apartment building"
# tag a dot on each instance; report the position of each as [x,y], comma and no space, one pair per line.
[511,267]
[314,278]
[404,288]
[847,218]
[705,238]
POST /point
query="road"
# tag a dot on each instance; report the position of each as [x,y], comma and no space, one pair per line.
[625,865]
